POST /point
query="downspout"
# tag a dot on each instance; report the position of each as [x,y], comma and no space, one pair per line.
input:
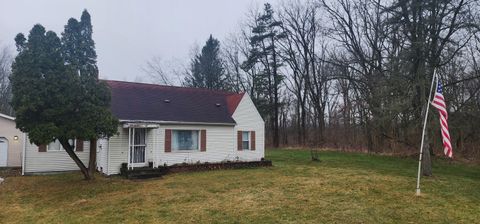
[129,146]
[23,152]
[108,156]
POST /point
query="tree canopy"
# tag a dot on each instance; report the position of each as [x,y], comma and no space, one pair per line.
[206,68]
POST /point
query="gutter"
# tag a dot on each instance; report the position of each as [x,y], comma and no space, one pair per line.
[176,122]
[24,149]
[7,117]
[108,156]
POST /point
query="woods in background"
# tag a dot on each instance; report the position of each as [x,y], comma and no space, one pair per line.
[350,74]
[356,74]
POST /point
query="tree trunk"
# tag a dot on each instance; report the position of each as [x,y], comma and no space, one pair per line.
[92,163]
[69,149]
[426,158]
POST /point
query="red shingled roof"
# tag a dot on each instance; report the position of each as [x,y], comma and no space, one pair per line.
[149,102]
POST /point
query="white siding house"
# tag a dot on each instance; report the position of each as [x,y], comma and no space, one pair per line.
[51,160]
[163,126]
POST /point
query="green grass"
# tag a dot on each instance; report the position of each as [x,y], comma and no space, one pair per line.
[342,188]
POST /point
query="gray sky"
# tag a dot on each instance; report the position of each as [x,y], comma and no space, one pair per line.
[128,33]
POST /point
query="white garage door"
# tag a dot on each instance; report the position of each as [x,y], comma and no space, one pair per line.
[3,151]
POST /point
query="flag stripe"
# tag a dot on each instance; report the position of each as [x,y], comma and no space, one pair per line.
[439,103]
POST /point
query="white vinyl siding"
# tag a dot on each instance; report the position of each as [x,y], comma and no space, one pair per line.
[117,151]
[248,118]
[52,161]
[219,145]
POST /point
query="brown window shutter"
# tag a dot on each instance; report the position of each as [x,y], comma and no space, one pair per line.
[239,140]
[42,148]
[252,140]
[203,140]
[168,140]
[79,145]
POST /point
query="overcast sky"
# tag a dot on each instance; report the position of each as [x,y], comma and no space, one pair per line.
[128,33]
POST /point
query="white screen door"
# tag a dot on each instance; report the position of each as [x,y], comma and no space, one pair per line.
[138,145]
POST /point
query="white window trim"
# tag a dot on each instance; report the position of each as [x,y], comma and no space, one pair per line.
[184,150]
[248,139]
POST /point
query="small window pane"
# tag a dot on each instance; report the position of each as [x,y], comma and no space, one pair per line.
[54,146]
[245,145]
[245,140]
[245,136]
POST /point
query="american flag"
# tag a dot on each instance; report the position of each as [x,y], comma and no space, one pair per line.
[439,103]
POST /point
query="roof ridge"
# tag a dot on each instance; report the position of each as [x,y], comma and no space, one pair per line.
[177,87]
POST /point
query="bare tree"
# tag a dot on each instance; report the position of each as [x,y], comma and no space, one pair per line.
[6,60]
[155,68]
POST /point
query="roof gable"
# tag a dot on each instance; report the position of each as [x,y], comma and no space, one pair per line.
[149,102]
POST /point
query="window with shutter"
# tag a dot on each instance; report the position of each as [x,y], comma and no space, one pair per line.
[203,140]
[239,140]
[42,148]
[79,145]
[252,140]
[168,140]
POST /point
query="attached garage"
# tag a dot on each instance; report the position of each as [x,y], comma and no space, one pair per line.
[11,142]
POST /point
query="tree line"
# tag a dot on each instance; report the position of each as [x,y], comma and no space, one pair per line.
[353,74]
[344,74]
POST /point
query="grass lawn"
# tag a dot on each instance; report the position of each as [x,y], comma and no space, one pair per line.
[342,188]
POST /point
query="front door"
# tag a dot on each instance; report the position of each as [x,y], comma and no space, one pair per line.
[3,151]
[137,146]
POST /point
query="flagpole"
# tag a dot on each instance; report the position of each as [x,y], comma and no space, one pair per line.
[423,132]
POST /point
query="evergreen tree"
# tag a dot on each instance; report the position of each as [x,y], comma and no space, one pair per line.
[57,96]
[78,49]
[264,50]
[206,69]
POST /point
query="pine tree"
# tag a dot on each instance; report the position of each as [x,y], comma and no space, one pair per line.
[78,49]
[264,42]
[206,69]
[56,93]
[44,91]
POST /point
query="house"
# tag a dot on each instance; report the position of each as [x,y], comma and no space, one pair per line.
[11,142]
[163,126]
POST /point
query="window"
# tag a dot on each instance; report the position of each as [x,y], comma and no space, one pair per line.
[185,140]
[56,146]
[245,140]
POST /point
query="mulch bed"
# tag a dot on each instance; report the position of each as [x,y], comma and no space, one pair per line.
[10,172]
[217,166]
[163,170]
